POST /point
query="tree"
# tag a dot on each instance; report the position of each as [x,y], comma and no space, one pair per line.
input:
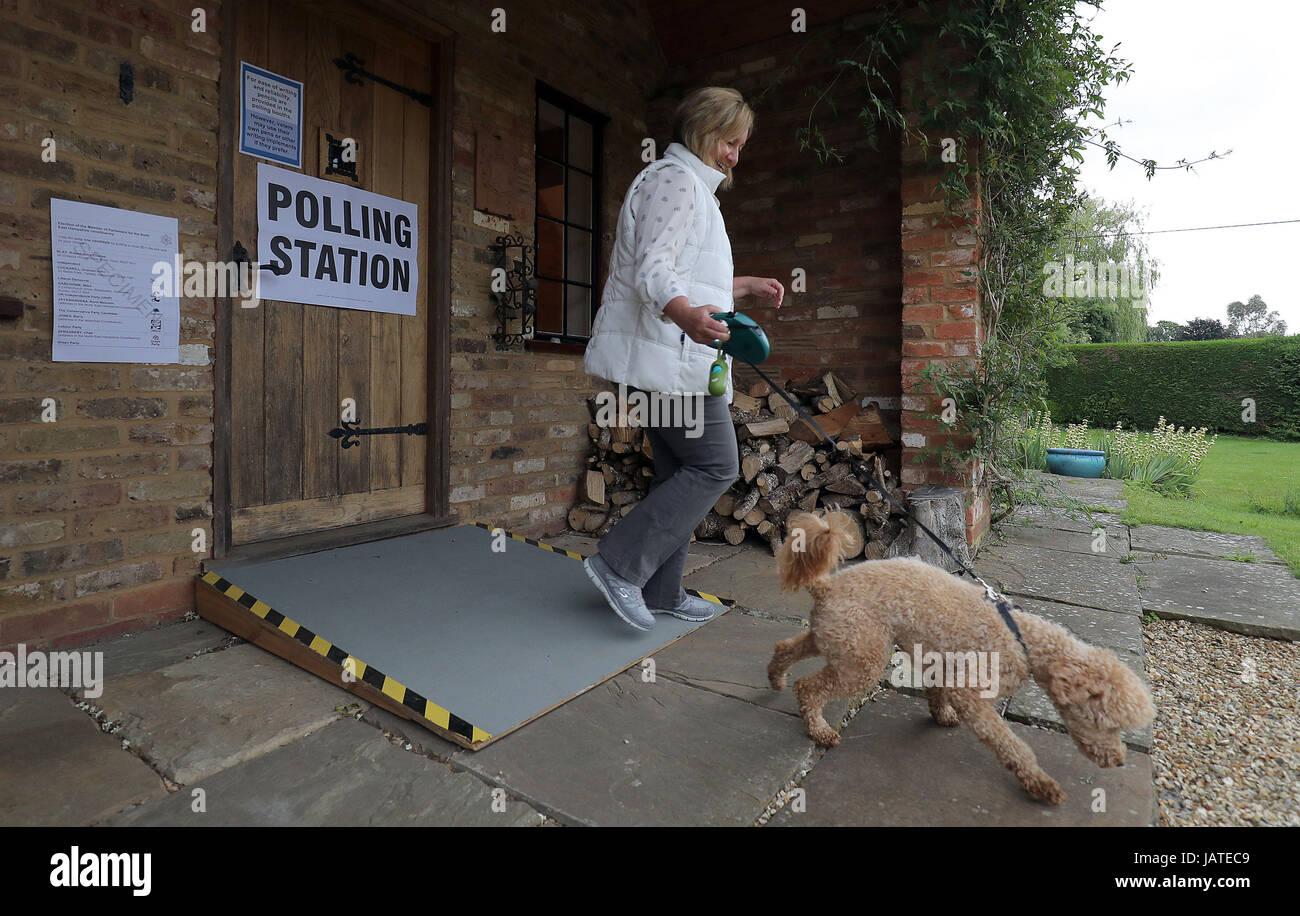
[1204,329]
[1165,331]
[1253,319]
[1105,273]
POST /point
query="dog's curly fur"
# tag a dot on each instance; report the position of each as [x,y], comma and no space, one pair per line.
[861,612]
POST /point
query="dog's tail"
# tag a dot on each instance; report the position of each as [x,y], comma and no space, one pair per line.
[813,548]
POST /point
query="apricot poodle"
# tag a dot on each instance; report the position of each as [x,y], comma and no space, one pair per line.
[863,611]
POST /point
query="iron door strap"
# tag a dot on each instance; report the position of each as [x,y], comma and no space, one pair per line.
[348,433]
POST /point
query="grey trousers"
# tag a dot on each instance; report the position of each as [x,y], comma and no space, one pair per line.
[648,546]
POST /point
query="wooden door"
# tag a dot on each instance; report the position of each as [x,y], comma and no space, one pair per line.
[292,366]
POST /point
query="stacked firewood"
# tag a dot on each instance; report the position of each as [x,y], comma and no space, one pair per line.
[785,467]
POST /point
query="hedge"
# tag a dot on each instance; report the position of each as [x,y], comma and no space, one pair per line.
[1191,383]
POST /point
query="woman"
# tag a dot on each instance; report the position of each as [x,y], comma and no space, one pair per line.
[671,270]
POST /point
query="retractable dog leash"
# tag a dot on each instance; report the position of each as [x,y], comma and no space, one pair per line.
[749,344]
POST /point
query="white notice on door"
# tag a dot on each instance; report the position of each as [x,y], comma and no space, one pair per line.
[107,307]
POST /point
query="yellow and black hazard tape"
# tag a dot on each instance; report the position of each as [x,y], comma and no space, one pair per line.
[577,556]
[426,708]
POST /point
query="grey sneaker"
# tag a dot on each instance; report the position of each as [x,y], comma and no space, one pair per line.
[690,608]
[623,596]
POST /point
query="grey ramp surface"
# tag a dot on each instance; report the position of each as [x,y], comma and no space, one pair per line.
[495,638]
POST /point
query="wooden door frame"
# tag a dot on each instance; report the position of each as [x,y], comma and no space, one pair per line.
[437,477]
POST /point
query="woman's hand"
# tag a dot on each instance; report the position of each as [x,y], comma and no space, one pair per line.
[696,321]
[762,287]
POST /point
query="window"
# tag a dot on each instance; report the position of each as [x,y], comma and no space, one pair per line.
[568,216]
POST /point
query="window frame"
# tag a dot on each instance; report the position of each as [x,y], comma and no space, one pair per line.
[597,268]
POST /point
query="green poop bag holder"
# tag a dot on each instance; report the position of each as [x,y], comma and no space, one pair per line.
[747,343]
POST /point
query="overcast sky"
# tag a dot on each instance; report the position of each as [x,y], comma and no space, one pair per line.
[1208,76]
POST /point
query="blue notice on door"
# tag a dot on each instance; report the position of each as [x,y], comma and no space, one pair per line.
[270,116]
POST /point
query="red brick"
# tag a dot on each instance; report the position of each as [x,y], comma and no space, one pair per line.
[923,313]
[921,241]
[923,278]
[172,595]
[952,257]
[115,628]
[41,625]
[957,330]
[925,348]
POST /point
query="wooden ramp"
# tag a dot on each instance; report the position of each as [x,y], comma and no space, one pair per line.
[469,633]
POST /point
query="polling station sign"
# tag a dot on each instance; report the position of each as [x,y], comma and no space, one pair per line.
[324,243]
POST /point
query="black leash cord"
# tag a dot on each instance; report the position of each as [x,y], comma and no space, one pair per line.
[999,601]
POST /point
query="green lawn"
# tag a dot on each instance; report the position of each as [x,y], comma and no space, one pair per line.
[1235,470]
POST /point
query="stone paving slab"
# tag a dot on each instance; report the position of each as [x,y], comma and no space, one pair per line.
[730,656]
[1097,491]
[344,775]
[58,769]
[1120,632]
[1059,575]
[750,577]
[149,650]
[1214,545]
[896,767]
[1062,519]
[1115,544]
[200,716]
[632,753]
[1256,599]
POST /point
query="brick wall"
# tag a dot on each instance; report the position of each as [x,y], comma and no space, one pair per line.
[839,222]
[941,313]
[519,419]
[97,508]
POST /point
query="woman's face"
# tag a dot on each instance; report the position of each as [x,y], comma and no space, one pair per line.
[726,153]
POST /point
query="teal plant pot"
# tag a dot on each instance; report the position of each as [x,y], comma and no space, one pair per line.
[1076,462]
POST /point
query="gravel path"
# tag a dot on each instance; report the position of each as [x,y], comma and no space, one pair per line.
[1226,740]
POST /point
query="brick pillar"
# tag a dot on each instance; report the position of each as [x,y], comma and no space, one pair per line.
[941,319]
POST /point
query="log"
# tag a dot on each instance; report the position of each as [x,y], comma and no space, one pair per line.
[795,457]
[858,536]
[763,428]
[868,425]
[826,403]
[711,526]
[837,387]
[831,423]
[767,482]
[726,502]
[754,519]
[746,503]
[733,534]
[594,488]
[809,501]
[778,504]
[745,402]
[760,389]
[755,460]
[587,518]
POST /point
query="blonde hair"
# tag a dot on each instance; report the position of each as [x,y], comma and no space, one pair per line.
[708,114]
